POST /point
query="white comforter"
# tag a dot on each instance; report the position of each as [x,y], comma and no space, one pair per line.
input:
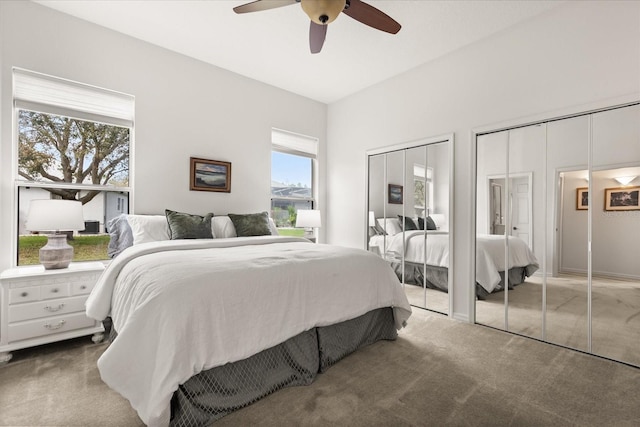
[181,307]
[490,253]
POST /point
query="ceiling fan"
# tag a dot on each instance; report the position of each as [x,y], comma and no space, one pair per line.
[323,12]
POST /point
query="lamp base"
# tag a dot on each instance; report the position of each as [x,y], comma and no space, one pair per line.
[56,253]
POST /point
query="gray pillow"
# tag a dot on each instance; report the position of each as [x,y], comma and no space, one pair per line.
[187,226]
[251,224]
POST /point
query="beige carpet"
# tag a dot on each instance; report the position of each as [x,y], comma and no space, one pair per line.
[615,314]
[439,372]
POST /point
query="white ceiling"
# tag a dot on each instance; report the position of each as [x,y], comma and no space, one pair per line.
[272,46]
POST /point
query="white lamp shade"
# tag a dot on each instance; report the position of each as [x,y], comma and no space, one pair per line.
[55,215]
[438,219]
[308,218]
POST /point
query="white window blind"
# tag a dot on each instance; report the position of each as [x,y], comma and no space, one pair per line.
[293,143]
[48,94]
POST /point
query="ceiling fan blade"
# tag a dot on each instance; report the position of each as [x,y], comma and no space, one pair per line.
[317,34]
[369,15]
[259,5]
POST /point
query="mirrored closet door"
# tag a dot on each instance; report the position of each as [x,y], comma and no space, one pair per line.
[558,218]
[409,189]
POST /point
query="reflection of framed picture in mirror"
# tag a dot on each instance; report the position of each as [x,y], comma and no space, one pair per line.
[622,199]
[582,198]
[395,194]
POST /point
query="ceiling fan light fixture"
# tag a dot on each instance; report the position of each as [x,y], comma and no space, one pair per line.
[323,12]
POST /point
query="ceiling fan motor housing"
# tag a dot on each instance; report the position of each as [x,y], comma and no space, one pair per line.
[323,12]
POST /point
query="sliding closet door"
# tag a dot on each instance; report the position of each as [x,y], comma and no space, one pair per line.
[416,208]
[436,224]
[567,290]
[394,211]
[376,204]
[526,203]
[615,225]
[492,206]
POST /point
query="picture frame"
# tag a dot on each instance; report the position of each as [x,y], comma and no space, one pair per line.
[622,199]
[210,175]
[582,198]
[395,196]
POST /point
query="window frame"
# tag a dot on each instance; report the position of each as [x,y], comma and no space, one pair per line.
[19,182]
[281,148]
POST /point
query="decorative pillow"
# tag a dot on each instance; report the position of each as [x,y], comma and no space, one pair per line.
[273,228]
[390,225]
[222,227]
[187,226]
[431,225]
[120,235]
[148,228]
[407,224]
[251,224]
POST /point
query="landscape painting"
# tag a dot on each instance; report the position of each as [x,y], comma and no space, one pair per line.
[622,199]
[210,175]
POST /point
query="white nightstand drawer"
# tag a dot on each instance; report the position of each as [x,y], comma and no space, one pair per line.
[83,287]
[55,290]
[36,310]
[26,294]
[48,326]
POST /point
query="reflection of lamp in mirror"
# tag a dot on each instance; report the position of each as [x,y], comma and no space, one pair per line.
[309,219]
[624,180]
[55,216]
[439,219]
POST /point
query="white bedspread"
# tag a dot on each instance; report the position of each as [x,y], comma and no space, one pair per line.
[181,307]
[490,253]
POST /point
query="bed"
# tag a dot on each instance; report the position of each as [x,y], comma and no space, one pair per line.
[490,259]
[204,327]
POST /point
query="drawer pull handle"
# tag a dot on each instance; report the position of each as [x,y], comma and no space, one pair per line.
[83,287]
[52,327]
[24,294]
[52,309]
[54,290]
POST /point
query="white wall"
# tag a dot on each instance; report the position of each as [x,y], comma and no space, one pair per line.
[183,108]
[582,53]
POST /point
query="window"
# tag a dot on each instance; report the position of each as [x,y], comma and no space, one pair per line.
[423,190]
[73,142]
[293,165]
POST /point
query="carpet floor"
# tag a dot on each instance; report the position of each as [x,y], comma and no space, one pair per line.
[438,372]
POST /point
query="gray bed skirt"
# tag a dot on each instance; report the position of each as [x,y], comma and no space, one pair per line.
[214,393]
[438,277]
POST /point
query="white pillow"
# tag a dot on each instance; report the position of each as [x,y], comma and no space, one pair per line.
[148,228]
[221,226]
[390,225]
[273,228]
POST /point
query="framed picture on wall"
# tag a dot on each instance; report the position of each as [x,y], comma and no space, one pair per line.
[622,199]
[582,198]
[210,175]
[395,194]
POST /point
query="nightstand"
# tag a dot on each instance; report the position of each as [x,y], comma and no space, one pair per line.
[39,306]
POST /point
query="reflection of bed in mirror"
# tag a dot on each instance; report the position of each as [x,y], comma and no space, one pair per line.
[490,259]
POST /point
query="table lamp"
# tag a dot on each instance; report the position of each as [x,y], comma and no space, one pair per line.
[54,216]
[308,219]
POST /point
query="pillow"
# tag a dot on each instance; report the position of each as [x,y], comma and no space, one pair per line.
[407,224]
[187,226]
[390,225]
[431,225]
[222,226]
[273,228]
[148,228]
[251,224]
[120,235]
